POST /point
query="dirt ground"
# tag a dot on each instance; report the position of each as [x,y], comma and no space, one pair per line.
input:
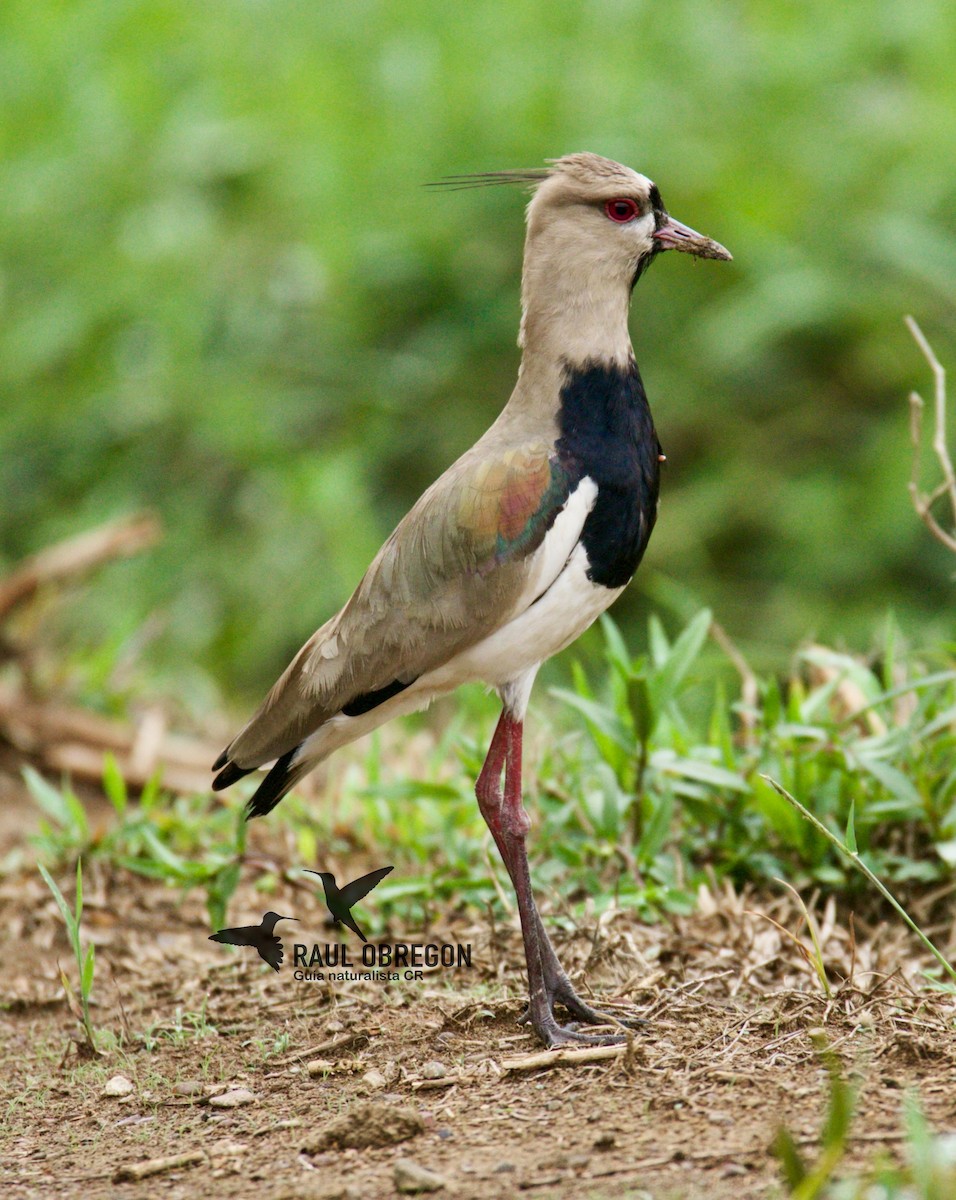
[689,1109]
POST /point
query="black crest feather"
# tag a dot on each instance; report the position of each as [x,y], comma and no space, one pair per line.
[457,183]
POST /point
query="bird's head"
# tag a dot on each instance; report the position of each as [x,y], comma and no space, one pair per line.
[596,217]
[594,226]
[273,918]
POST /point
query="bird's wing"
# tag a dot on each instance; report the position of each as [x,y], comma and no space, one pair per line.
[353,892]
[469,555]
[243,935]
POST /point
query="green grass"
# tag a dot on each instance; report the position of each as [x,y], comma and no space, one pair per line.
[927,1173]
[187,841]
[227,296]
[646,779]
[84,957]
[849,849]
[670,779]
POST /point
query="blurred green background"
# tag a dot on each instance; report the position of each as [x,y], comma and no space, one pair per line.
[225,295]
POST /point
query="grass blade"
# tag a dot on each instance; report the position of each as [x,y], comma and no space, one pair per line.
[861,866]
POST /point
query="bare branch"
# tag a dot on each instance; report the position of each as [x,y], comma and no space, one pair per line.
[77,555]
[923,502]
[68,739]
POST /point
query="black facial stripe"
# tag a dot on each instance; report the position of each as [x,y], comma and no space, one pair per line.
[644,262]
[657,206]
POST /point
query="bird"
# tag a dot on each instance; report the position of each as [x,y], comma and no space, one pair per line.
[261,937]
[517,548]
[340,900]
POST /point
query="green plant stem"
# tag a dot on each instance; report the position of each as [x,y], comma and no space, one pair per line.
[861,865]
[84,962]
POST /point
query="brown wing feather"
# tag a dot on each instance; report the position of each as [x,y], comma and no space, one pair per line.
[450,572]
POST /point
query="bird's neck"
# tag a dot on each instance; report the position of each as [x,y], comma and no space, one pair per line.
[568,322]
[575,319]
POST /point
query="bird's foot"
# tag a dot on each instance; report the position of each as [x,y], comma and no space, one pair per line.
[560,992]
[554,1035]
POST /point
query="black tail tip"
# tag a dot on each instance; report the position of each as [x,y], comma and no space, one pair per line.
[228,776]
[260,805]
[273,787]
[221,760]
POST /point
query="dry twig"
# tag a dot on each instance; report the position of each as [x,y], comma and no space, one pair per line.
[74,740]
[77,555]
[749,688]
[561,1058]
[924,501]
[132,1172]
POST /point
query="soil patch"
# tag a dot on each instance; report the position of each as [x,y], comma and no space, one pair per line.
[339,1080]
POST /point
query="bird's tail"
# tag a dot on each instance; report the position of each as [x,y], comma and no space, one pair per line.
[348,919]
[283,777]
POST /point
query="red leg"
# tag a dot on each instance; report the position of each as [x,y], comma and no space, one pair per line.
[509,823]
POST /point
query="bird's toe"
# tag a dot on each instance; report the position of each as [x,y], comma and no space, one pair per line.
[555,1036]
[584,1015]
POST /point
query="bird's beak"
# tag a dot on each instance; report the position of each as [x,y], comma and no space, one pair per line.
[672,235]
[288,918]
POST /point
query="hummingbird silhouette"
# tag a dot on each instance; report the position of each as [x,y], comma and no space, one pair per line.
[260,936]
[340,900]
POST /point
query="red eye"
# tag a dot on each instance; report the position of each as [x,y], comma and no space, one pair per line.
[621,210]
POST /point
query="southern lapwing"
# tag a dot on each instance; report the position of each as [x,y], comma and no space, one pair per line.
[341,900]
[518,547]
[261,937]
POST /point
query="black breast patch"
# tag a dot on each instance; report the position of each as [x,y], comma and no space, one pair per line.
[607,433]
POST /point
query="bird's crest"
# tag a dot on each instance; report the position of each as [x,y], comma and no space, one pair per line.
[587,169]
[458,183]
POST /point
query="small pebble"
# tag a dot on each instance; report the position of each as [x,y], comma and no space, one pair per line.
[233,1099]
[410,1178]
[321,1066]
[433,1070]
[373,1080]
[119,1085]
[189,1087]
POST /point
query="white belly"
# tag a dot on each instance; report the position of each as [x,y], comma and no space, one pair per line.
[510,655]
[567,608]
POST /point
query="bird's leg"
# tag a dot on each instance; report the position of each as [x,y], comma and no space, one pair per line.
[506,818]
